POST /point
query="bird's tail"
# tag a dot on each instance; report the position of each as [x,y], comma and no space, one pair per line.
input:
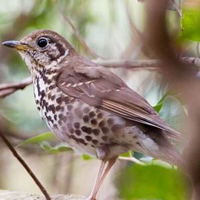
[172,156]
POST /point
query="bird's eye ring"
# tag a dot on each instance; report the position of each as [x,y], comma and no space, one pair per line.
[42,42]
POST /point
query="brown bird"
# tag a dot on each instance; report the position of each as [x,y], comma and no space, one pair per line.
[89,107]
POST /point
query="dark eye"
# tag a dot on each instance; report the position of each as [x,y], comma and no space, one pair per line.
[42,42]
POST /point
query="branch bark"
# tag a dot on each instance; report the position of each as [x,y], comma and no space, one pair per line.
[194,63]
[26,167]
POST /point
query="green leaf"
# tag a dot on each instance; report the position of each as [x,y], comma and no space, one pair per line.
[54,150]
[151,182]
[86,157]
[191,24]
[160,104]
[49,136]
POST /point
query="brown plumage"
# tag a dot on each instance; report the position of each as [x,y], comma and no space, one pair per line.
[89,107]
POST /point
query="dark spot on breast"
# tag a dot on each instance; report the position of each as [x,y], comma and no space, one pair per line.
[91,114]
[71,130]
[104,138]
[102,123]
[62,108]
[95,142]
[60,116]
[117,127]
[86,129]
[67,100]
[78,132]
[51,108]
[77,125]
[93,122]
[55,117]
[96,131]
[105,130]
[60,122]
[49,81]
[88,138]
[86,110]
[51,87]
[82,141]
[57,108]
[78,140]
[50,119]
[53,97]
[100,115]
[49,95]
[69,107]
[85,118]
[59,100]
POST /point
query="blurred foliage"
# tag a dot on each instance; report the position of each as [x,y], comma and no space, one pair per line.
[49,136]
[191,24]
[151,182]
[45,141]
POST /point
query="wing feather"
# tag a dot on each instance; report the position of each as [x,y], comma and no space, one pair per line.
[99,87]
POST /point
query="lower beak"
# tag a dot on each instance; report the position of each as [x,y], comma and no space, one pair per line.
[15,44]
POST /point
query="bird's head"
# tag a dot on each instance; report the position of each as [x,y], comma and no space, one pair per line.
[42,49]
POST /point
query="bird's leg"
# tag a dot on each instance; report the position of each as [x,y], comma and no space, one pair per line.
[92,197]
[101,176]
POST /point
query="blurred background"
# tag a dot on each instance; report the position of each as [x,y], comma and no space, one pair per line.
[114,31]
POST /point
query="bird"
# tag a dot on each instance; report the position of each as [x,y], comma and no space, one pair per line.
[89,107]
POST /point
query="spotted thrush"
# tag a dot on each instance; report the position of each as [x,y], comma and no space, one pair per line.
[89,107]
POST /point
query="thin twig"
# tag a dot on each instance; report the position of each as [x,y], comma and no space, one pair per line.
[27,168]
[132,159]
[77,33]
[9,88]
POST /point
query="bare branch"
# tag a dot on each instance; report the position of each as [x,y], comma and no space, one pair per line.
[9,88]
[132,159]
[77,34]
[24,164]
[194,63]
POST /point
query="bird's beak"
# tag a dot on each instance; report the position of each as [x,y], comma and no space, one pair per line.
[16,45]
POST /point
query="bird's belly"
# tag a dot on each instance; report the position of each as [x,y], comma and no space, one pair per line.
[83,127]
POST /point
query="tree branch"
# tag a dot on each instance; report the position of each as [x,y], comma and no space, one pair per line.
[9,88]
[23,163]
[77,34]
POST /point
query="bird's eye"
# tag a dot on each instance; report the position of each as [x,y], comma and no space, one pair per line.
[42,42]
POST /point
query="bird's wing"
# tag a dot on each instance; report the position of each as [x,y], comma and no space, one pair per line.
[101,88]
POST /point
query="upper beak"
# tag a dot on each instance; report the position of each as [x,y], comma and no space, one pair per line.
[15,44]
